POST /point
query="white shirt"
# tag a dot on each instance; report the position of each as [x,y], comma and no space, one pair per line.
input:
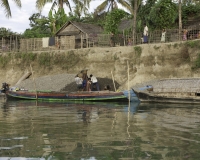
[145,31]
[94,79]
[78,80]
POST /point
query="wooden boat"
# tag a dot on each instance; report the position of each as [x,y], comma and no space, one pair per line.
[171,91]
[73,96]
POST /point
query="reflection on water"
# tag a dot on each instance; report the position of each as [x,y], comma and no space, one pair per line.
[96,131]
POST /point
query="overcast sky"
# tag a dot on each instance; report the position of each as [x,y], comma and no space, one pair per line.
[19,21]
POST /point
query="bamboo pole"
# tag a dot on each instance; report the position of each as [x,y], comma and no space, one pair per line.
[34,83]
[10,42]
[15,43]
[87,40]
[2,44]
[81,41]
[128,82]
[124,38]
[113,81]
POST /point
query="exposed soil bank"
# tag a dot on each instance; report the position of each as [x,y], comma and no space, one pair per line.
[146,62]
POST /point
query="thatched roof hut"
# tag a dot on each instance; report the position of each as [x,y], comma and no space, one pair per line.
[77,29]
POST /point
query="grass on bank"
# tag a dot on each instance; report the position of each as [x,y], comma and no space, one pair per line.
[44,59]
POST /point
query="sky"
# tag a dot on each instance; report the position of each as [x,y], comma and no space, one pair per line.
[19,21]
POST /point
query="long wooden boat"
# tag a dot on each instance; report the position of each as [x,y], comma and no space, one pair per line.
[171,91]
[73,96]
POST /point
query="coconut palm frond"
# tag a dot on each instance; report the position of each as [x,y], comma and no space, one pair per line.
[18,3]
[68,4]
[5,4]
[87,3]
[41,3]
[53,5]
[126,5]
[102,7]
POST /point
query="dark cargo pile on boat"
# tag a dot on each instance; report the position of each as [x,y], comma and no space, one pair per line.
[61,82]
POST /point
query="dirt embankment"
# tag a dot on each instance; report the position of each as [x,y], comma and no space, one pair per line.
[146,62]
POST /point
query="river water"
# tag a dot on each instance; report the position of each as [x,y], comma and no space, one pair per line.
[32,130]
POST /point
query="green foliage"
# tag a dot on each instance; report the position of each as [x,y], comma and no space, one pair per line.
[44,59]
[189,10]
[4,60]
[193,44]
[197,62]
[56,20]
[138,51]
[28,57]
[39,27]
[143,15]
[156,47]
[163,14]
[4,32]
[185,53]
[169,46]
[175,45]
[116,57]
[113,19]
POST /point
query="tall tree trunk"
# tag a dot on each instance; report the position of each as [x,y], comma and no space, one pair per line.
[61,4]
[134,20]
[180,19]
[112,3]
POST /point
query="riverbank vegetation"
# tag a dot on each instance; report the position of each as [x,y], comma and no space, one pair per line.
[43,59]
[156,14]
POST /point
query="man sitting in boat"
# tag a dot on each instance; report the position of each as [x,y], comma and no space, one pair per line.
[5,87]
[79,82]
[107,87]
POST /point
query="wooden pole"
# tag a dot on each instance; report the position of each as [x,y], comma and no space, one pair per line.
[34,83]
[128,82]
[87,40]
[10,42]
[81,41]
[113,81]
[124,38]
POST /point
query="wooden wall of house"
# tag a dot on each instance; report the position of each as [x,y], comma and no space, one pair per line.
[67,42]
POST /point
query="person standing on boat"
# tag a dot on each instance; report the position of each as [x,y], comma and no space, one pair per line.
[94,82]
[79,82]
[89,84]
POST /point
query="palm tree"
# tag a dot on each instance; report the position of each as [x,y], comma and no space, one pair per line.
[60,3]
[5,4]
[109,5]
[80,9]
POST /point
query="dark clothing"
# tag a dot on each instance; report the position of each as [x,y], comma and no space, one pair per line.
[79,86]
[96,86]
[52,41]
[145,39]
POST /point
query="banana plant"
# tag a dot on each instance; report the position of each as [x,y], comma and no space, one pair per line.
[56,19]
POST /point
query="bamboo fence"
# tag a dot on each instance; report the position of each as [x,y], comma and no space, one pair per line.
[16,44]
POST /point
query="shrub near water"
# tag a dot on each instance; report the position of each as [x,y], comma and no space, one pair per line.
[197,62]
[4,60]
[44,59]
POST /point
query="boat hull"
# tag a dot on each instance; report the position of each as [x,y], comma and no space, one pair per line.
[150,97]
[75,96]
